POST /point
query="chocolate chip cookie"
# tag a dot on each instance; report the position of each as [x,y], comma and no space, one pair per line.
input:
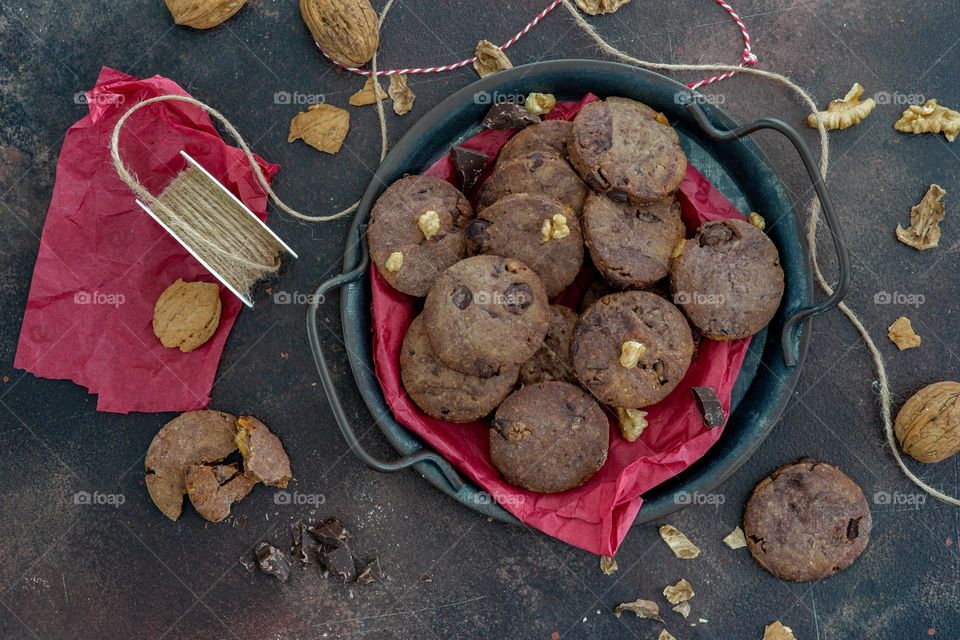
[622,148]
[416,231]
[806,521]
[545,137]
[540,232]
[728,280]
[553,361]
[442,392]
[539,172]
[549,437]
[631,244]
[631,349]
[486,315]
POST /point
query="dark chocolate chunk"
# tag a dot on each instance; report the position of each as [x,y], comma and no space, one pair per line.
[272,561]
[371,572]
[330,533]
[426,578]
[298,550]
[248,562]
[339,561]
[709,405]
[509,116]
[469,164]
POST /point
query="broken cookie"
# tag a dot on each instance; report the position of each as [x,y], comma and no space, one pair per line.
[213,489]
[264,459]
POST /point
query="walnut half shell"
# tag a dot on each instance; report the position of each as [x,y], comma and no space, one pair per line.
[928,425]
[203,14]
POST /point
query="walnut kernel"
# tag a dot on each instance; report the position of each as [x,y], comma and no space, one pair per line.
[540,103]
[630,353]
[845,112]
[930,118]
[632,423]
[757,220]
[394,262]
[429,223]
[555,227]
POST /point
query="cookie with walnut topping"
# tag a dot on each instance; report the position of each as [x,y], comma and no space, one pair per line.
[547,136]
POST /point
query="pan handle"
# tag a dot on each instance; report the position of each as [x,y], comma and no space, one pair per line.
[334,399]
[789,345]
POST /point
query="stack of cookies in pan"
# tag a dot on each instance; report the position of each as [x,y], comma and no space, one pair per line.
[489,343]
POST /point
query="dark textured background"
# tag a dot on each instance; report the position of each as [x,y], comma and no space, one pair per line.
[99,572]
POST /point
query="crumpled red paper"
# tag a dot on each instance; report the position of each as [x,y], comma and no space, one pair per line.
[597,515]
[103,262]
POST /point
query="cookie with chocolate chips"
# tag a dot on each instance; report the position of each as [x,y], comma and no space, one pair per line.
[631,244]
[549,437]
[486,315]
[416,231]
[806,521]
[631,349]
[539,231]
[442,392]
[553,361]
[728,279]
[625,149]
[540,172]
[549,136]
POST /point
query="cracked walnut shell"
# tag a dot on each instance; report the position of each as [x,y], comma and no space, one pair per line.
[928,425]
[322,126]
[599,7]
[187,314]
[346,30]
[924,230]
[901,333]
[844,112]
[930,118]
[203,14]
[490,59]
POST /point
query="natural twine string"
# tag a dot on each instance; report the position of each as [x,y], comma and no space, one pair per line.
[812,224]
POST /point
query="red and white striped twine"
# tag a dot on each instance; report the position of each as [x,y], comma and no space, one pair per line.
[747,58]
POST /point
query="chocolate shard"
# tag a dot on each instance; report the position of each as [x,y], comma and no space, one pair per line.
[371,572]
[272,561]
[298,549]
[469,164]
[330,533]
[709,405]
[339,561]
[509,116]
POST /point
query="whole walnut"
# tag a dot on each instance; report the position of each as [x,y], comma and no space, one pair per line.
[928,425]
[346,30]
[203,14]
[187,314]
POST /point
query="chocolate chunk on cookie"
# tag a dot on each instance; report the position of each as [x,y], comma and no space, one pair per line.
[728,280]
[806,521]
[486,315]
[442,392]
[631,349]
[625,149]
[547,137]
[553,360]
[549,437]
[538,231]
[631,244]
[416,231]
[539,172]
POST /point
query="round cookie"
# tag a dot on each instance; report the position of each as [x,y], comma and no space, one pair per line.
[545,137]
[621,148]
[440,391]
[553,361]
[549,437]
[631,244]
[538,172]
[806,521]
[632,316]
[394,228]
[486,315]
[514,227]
[728,280]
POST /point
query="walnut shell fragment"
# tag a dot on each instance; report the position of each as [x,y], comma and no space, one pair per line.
[264,458]
[928,425]
[901,333]
[735,539]
[608,565]
[677,593]
[645,609]
[598,7]
[322,126]
[366,95]
[490,59]
[929,117]
[203,14]
[665,635]
[678,543]
[924,230]
[213,489]
[187,314]
[683,609]
[346,30]
[776,631]
[845,112]
[401,94]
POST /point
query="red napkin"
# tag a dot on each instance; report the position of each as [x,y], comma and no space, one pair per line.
[103,261]
[597,515]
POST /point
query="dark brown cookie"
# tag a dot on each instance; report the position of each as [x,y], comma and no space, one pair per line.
[595,291]
[631,244]
[548,136]
[806,521]
[638,324]
[486,314]
[395,228]
[442,392]
[553,361]
[538,172]
[549,437]
[620,147]
[526,226]
[728,280]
